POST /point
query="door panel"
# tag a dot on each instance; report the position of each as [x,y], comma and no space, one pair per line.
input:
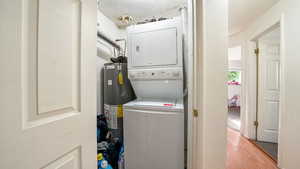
[48,92]
[58,56]
[67,161]
[272,109]
[272,75]
[51,64]
[269,80]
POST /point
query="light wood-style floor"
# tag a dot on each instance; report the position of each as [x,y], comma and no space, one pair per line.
[242,154]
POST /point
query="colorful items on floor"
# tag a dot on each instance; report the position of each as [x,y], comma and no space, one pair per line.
[110,141]
[102,163]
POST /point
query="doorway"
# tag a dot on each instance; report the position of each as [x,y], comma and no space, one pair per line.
[234,88]
[132,131]
[268,92]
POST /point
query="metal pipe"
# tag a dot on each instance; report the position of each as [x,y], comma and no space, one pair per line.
[123,52]
[108,40]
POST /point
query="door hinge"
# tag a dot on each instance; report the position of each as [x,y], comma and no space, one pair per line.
[255,123]
[256,51]
[195,113]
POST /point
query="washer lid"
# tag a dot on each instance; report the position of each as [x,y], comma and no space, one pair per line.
[158,105]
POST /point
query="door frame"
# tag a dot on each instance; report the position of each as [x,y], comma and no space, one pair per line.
[192,128]
[202,151]
[252,45]
[195,158]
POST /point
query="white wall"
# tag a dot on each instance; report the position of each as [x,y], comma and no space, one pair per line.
[211,67]
[104,50]
[234,64]
[109,27]
[289,11]
[112,31]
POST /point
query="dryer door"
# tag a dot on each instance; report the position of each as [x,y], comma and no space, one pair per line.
[154,48]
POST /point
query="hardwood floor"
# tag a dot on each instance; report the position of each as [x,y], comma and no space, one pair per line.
[242,154]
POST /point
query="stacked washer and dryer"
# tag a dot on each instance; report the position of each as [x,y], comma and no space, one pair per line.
[154,122]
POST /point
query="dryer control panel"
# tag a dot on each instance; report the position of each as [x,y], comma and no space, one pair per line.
[156,74]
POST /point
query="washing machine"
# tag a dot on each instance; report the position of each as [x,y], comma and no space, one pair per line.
[154,123]
[154,134]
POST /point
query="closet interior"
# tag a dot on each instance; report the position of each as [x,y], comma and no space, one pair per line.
[142,60]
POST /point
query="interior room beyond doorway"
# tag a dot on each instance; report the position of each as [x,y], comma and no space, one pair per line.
[234,87]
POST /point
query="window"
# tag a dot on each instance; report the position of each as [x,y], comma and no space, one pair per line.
[234,78]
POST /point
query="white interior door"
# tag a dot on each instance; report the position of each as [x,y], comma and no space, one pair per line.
[47,88]
[268,97]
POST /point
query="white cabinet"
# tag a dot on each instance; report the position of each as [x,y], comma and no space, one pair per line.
[155,44]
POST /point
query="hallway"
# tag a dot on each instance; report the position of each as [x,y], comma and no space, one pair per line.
[241,154]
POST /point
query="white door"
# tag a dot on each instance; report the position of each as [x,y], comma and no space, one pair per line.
[268,97]
[47,86]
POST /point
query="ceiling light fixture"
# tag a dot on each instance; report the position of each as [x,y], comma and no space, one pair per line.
[126,20]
